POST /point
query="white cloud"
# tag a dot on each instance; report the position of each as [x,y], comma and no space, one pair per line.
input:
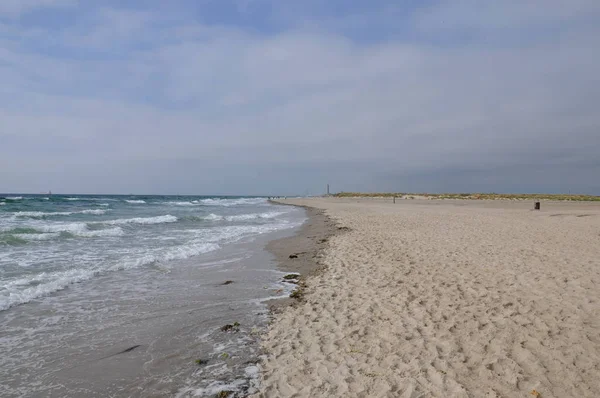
[224,98]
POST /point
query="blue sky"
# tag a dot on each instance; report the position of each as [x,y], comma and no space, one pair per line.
[267,97]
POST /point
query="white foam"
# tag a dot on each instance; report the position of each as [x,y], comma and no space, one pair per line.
[39,214]
[76,228]
[253,216]
[180,253]
[23,290]
[217,386]
[233,202]
[92,211]
[162,255]
[182,203]
[253,375]
[16,291]
[14,197]
[2,204]
[244,217]
[135,202]
[73,228]
[233,233]
[42,236]
[252,371]
[117,231]
[74,199]
[143,220]
[103,199]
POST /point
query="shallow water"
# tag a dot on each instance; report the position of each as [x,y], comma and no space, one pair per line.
[70,341]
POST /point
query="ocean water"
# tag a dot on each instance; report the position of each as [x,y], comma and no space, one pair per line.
[83,278]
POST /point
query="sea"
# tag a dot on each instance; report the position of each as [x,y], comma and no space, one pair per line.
[110,295]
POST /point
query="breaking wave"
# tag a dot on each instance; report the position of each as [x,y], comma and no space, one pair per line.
[232,202]
[243,217]
[74,229]
[143,220]
[42,214]
[23,290]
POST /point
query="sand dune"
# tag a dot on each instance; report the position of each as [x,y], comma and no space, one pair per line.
[445,299]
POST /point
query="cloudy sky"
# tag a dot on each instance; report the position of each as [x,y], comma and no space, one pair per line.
[284,96]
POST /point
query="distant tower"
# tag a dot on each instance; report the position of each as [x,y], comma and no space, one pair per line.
[327,189]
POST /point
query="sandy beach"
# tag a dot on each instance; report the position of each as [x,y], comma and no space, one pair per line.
[428,298]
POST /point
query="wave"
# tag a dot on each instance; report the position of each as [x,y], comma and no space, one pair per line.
[143,220]
[182,252]
[24,238]
[190,243]
[74,229]
[192,203]
[92,211]
[101,232]
[40,236]
[12,240]
[14,198]
[243,217]
[233,233]
[232,202]
[41,214]
[88,199]
[135,202]
[253,216]
[38,214]
[28,288]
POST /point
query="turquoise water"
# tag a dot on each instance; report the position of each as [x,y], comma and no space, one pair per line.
[50,242]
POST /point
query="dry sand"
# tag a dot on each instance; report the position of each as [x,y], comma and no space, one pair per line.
[445,299]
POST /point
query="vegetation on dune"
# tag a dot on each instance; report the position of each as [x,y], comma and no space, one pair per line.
[474,196]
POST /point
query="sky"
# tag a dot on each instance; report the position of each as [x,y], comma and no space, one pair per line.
[265,97]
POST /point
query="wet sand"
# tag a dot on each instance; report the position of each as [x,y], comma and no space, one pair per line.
[307,244]
[427,298]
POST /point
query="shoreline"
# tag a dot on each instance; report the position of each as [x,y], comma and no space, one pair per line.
[307,244]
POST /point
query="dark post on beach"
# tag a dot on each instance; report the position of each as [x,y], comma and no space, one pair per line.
[537,206]
[394,199]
